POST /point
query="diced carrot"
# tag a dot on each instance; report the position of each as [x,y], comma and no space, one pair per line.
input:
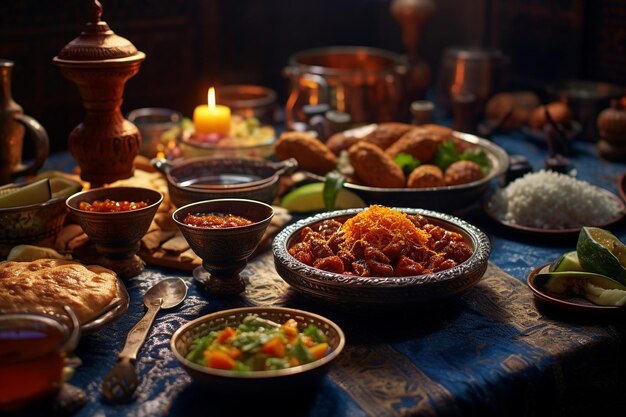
[233,352]
[307,341]
[219,360]
[319,351]
[290,328]
[274,347]
[225,334]
[293,361]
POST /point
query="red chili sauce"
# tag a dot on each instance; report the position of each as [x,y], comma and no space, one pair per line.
[215,220]
[112,206]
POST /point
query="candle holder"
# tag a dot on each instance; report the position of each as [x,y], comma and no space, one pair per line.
[99,62]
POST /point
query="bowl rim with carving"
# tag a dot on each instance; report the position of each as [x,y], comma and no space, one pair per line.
[360,291]
[232,317]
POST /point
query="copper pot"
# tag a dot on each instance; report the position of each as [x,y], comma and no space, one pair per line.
[367,83]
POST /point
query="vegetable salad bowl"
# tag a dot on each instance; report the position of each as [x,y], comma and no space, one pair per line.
[272,381]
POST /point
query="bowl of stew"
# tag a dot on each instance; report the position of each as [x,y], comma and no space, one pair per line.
[379,258]
[258,349]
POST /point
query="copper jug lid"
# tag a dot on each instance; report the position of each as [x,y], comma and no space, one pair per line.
[97,42]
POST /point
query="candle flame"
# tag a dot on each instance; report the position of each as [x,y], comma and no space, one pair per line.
[211,98]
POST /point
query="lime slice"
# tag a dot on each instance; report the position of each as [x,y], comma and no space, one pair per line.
[62,187]
[33,193]
[309,198]
[566,262]
[599,289]
[605,297]
[602,252]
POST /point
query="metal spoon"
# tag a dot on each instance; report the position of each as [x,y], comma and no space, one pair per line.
[121,381]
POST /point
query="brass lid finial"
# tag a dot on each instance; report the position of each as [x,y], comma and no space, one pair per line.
[95,11]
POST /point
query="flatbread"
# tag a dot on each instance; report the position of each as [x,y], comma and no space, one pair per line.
[58,282]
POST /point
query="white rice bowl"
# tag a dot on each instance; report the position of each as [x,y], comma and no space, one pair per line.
[551,200]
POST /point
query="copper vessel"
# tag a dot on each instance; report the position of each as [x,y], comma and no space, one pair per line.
[100,62]
[367,83]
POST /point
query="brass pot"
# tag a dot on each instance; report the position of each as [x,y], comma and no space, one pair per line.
[367,83]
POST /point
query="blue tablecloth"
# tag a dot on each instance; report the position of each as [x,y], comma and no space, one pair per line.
[496,351]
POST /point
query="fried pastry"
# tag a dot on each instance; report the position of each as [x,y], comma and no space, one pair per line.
[374,167]
[311,154]
[463,172]
[426,176]
[58,282]
[387,133]
[420,143]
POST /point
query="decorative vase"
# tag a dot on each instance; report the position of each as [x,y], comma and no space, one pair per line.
[14,127]
[99,62]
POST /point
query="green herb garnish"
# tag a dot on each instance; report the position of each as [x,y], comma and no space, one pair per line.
[406,162]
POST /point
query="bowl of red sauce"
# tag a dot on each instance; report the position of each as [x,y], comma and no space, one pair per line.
[223,233]
[379,257]
[115,219]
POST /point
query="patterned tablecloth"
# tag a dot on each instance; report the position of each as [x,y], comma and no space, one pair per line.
[495,351]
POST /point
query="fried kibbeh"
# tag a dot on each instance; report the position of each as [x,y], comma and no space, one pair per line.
[311,154]
[438,130]
[463,172]
[340,142]
[373,167]
[387,133]
[421,144]
[426,176]
[510,110]
[559,112]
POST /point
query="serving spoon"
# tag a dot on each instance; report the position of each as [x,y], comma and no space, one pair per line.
[121,382]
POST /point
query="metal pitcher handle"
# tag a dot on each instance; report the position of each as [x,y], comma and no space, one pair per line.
[35,132]
[292,100]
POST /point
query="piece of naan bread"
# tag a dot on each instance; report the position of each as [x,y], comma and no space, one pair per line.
[58,282]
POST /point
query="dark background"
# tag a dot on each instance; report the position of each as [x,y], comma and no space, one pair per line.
[193,44]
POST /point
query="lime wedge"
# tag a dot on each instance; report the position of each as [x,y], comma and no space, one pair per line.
[62,187]
[310,198]
[605,297]
[566,262]
[602,252]
[33,193]
[599,289]
[27,253]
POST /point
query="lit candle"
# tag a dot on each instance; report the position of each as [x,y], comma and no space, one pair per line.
[211,118]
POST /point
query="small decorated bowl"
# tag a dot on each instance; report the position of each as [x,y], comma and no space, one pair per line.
[294,378]
[224,250]
[117,234]
[36,224]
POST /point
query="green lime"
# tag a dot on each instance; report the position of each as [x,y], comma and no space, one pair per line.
[566,262]
[597,288]
[605,297]
[33,193]
[309,198]
[600,251]
[62,187]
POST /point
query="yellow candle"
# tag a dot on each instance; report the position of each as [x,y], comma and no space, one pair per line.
[211,118]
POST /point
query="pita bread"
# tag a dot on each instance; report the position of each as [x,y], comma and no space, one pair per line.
[58,282]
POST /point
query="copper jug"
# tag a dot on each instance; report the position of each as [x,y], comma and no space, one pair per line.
[14,127]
